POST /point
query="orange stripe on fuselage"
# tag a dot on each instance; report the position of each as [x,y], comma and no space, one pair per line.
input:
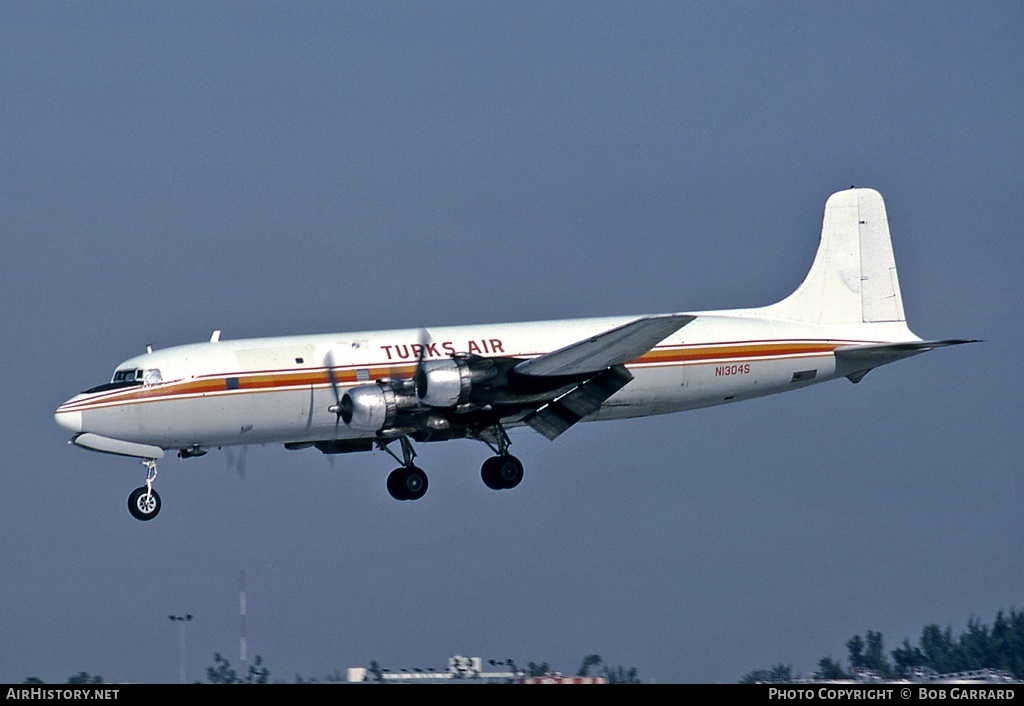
[267,380]
[757,349]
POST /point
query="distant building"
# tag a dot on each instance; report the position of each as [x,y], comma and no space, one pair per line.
[464,669]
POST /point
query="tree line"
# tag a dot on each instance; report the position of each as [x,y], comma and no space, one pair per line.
[999,647]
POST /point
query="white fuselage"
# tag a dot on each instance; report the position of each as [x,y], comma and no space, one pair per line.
[345,393]
[279,390]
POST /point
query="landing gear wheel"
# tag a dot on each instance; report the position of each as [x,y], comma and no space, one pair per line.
[489,473]
[409,483]
[502,472]
[144,504]
[511,471]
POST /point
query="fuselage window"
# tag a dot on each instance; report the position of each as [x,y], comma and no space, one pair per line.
[152,377]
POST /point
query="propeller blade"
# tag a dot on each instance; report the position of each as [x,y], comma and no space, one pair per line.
[240,465]
[424,340]
[336,407]
[236,463]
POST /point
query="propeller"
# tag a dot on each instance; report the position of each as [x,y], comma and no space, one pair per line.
[336,407]
[424,339]
[329,363]
[237,463]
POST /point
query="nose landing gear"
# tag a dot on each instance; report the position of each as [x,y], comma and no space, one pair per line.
[143,502]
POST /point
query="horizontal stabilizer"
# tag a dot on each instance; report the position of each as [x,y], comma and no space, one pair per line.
[615,347]
[554,418]
[854,362]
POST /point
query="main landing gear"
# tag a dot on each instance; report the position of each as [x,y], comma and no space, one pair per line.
[143,502]
[502,471]
[407,482]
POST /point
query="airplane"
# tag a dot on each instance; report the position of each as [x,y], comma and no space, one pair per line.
[351,392]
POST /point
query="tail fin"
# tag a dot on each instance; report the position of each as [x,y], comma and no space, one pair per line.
[853,277]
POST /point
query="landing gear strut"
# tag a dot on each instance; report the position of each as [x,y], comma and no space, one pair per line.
[502,471]
[408,482]
[143,502]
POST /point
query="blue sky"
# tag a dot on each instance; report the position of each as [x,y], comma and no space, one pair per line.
[272,168]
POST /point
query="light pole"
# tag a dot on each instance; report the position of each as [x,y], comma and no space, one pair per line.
[181,620]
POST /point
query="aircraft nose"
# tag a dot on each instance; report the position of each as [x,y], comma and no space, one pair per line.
[70,420]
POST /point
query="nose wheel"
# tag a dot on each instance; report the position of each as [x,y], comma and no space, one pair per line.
[144,502]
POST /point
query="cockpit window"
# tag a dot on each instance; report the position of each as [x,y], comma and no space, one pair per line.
[127,376]
[122,378]
[149,377]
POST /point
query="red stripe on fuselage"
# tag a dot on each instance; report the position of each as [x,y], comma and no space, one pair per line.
[268,380]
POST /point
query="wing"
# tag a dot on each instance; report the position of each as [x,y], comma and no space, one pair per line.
[605,350]
[467,394]
[559,414]
[602,359]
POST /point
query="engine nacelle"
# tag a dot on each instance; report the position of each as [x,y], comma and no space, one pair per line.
[373,407]
[444,383]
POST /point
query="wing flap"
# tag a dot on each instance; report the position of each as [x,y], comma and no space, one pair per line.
[617,346]
[557,416]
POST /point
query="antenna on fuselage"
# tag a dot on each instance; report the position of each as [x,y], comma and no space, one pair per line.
[149,347]
[215,337]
